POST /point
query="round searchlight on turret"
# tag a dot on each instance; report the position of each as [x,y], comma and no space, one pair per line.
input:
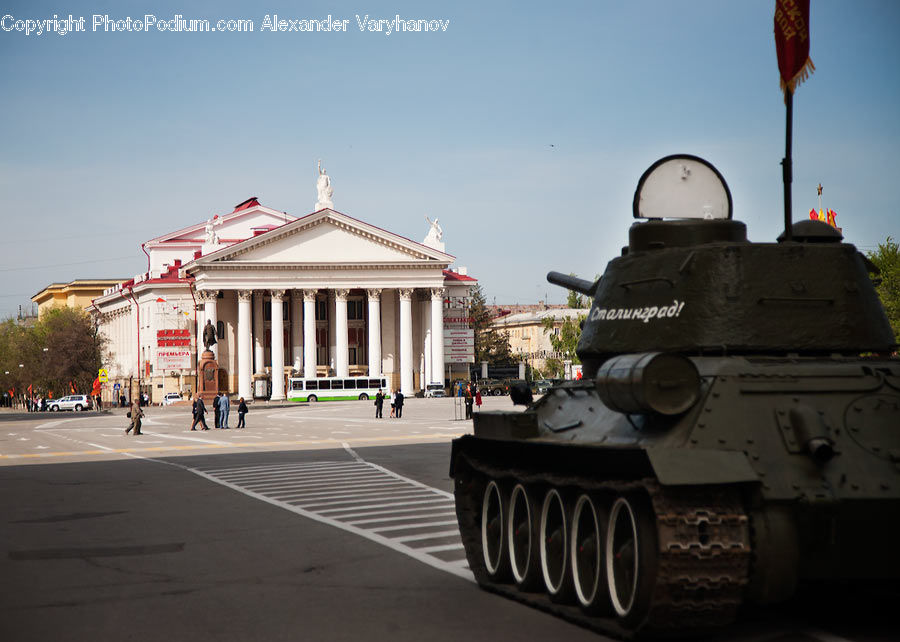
[682,186]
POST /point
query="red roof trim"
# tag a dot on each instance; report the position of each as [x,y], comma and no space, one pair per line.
[456,276]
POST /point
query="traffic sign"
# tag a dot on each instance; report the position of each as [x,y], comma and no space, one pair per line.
[103,375]
[117,386]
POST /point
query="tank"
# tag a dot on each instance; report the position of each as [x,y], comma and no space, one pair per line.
[735,434]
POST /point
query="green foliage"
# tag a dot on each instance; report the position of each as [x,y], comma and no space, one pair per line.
[491,345]
[63,347]
[887,259]
[564,342]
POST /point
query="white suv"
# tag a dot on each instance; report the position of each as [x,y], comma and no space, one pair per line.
[72,402]
[434,389]
[170,398]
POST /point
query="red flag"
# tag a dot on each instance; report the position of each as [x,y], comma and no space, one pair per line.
[792,42]
[96,389]
[72,387]
[28,389]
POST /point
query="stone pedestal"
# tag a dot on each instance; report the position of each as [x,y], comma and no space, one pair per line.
[209,376]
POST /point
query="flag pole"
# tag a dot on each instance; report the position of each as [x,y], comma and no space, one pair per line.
[786,162]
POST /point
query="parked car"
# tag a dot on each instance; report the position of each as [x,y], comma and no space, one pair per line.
[72,402]
[170,398]
[541,386]
[434,389]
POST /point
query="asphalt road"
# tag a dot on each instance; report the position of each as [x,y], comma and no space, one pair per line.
[219,536]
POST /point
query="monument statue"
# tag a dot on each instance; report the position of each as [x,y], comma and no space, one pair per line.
[211,237]
[324,188]
[209,335]
[435,236]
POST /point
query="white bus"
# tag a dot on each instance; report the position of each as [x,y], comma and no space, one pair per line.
[336,388]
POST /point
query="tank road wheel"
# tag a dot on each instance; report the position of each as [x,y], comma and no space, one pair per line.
[586,555]
[493,548]
[631,560]
[523,537]
[554,540]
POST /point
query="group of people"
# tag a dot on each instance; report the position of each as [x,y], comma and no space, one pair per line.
[222,409]
[396,404]
[473,398]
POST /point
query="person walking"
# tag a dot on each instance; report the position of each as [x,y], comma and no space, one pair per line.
[398,403]
[224,410]
[199,413]
[379,404]
[242,410]
[136,414]
[218,410]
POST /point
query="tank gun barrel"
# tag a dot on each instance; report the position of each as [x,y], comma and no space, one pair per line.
[573,283]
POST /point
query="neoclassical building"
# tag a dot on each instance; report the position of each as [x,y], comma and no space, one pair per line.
[320,295]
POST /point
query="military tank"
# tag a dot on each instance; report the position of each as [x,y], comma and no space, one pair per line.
[736,431]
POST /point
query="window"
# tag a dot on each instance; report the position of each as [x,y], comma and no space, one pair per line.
[321,310]
[351,357]
[355,309]
[312,384]
[296,385]
[220,329]
[325,385]
[349,384]
[376,383]
[337,384]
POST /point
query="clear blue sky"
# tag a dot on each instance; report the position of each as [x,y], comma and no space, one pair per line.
[524,127]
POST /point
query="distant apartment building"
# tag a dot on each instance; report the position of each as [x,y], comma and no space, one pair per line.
[74,294]
[528,336]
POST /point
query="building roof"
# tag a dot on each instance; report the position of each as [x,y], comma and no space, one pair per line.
[73,285]
[538,316]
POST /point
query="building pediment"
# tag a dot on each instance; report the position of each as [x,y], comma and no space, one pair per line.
[325,237]
[246,220]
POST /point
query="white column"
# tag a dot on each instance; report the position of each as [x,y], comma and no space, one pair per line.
[374,331]
[406,343]
[332,346]
[427,374]
[243,344]
[212,315]
[201,322]
[259,333]
[277,346]
[437,334]
[342,357]
[309,333]
[296,329]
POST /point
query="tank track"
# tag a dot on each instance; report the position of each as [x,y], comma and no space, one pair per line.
[703,549]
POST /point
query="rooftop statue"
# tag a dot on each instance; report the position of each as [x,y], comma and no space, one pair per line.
[435,236]
[324,189]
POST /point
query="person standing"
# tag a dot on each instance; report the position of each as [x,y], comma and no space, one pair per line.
[136,414]
[99,403]
[379,404]
[469,401]
[224,410]
[478,397]
[242,410]
[398,403]
[199,413]
[217,409]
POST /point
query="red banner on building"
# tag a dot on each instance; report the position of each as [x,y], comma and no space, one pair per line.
[792,42]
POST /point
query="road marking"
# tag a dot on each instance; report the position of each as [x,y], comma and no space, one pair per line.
[330,493]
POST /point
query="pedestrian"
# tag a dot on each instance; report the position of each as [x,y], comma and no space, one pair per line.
[135,414]
[99,403]
[478,397]
[242,410]
[217,410]
[398,403]
[469,401]
[224,409]
[393,405]
[379,404]
[199,413]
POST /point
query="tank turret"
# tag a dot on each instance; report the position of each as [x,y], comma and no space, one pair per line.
[735,433]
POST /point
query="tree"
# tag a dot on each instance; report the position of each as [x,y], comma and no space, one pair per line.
[62,349]
[491,345]
[564,341]
[887,259]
